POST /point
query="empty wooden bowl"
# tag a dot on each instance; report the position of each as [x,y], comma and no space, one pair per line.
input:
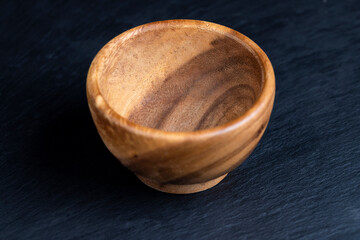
[181,102]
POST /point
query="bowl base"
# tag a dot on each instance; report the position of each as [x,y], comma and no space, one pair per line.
[181,189]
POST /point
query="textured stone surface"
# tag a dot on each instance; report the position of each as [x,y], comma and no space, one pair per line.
[58,181]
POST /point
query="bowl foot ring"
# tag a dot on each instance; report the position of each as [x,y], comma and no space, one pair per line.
[181,189]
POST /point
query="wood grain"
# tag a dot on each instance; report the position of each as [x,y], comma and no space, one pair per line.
[181,102]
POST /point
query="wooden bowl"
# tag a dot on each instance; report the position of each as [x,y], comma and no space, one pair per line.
[181,102]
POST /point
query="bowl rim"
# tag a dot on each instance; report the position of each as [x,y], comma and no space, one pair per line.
[266,95]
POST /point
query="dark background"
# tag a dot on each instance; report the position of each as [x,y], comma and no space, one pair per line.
[58,181]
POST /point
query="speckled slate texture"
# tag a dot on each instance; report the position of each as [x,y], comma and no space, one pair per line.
[58,181]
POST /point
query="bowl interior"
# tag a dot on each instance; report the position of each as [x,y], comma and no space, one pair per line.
[177,77]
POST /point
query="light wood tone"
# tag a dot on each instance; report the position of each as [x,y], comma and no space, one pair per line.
[181,102]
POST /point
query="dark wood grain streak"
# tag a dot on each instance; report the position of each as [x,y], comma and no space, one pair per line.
[220,161]
[234,95]
[200,78]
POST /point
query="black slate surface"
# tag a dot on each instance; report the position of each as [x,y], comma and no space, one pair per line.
[58,181]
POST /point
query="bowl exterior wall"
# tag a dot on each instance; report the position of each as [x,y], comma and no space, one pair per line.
[179,159]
